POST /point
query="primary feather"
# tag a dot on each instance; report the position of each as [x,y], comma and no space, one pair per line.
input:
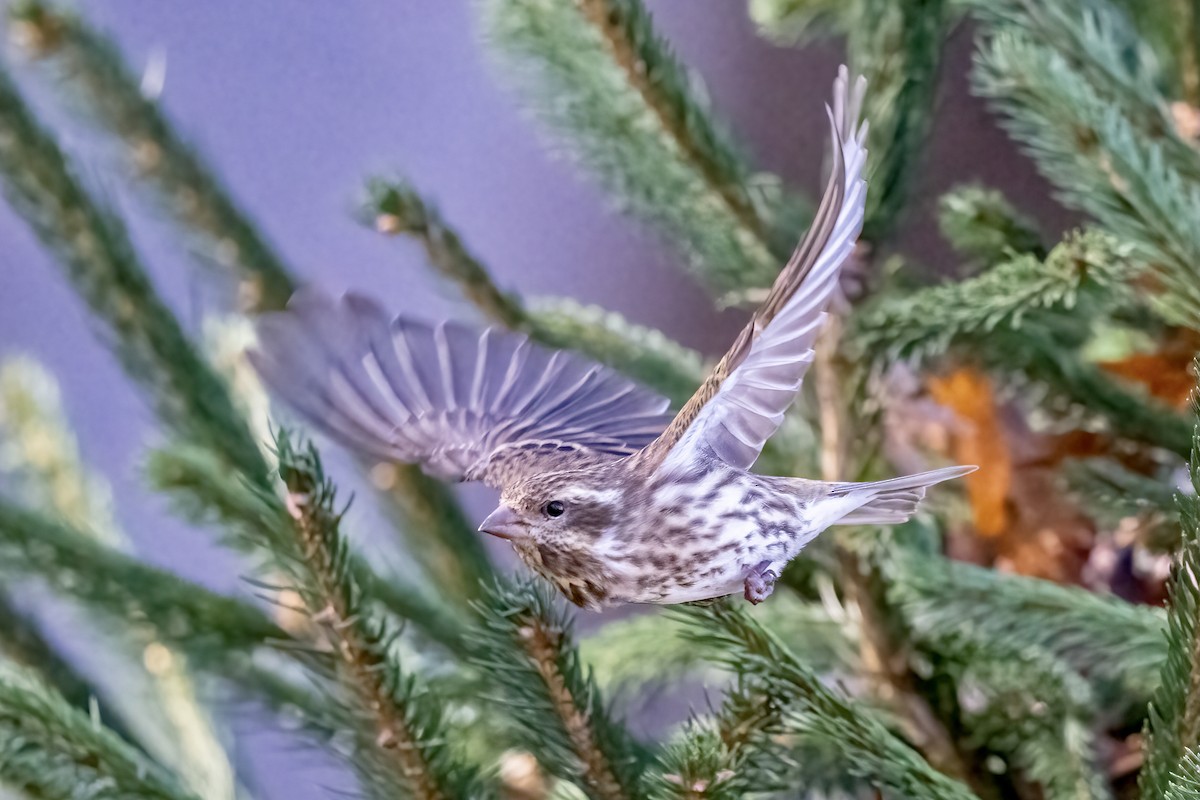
[463,403]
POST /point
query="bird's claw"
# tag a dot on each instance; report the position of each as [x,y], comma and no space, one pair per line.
[760,583]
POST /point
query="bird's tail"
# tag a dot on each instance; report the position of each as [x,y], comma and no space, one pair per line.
[893,501]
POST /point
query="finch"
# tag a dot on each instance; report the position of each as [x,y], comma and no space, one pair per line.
[602,491]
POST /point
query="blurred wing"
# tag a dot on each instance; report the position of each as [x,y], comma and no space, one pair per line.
[446,396]
[743,401]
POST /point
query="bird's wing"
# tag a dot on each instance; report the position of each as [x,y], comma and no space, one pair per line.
[446,396]
[742,403]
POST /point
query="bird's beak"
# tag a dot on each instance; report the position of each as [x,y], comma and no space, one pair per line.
[504,523]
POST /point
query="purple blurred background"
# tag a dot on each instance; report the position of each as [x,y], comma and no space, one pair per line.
[295,108]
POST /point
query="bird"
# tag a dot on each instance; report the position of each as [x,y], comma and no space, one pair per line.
[603,491]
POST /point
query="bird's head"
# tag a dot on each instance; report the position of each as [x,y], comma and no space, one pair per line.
[555,506]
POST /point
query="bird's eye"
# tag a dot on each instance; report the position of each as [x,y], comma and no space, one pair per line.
[555,508]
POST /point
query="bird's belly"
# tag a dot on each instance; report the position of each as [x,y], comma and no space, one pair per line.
[699,563]
[667,589]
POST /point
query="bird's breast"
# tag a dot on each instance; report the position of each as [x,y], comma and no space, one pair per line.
[697,537]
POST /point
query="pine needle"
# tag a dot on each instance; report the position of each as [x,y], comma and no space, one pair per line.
[529,651]
[811,709]
[97,256]
[91,71]
[1092,150]
[1173,728]
[984,227]
[1113,642]
[606,84]
[897,46]
[794,22]
[205,625]
[400,750]
[57,752]
[394,207]
[22,643]
[159,703]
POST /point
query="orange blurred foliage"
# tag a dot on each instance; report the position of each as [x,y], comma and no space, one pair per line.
[968,393]
[1166,373]
[1023,520]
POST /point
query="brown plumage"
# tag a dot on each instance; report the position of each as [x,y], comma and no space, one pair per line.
[602,491]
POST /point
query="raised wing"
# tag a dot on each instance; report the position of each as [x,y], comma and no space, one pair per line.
[743,401]
[445,396]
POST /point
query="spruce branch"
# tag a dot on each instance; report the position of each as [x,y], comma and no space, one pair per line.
[650,70]
[528,649]
[1099,162]
[159,704]
[1185,781]
[744,747]
[653,648]
[607,85]
[203,624]
[1111,493]
[728,755]
[1173,726]
[747,749]
[255,521]
[39,453]
[1106,639]
[1012,696]
[1074,386]
[217,635]
[897,46]
[1127,492]
[22,643]
[98,257]
[923,712]
[1086,266]
[1098,39]
[643,354]
[394,207]
[436,529]
[1037,712]
[92,71]
[698,765]
[1170,31]
[1022,317]
[400,750]
[984,227]
[51,750]
[871,751]
[799,21]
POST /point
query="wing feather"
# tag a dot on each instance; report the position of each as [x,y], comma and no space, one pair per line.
[445,396]
[742,403]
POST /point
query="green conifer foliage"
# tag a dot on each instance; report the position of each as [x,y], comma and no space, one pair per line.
[1051,654]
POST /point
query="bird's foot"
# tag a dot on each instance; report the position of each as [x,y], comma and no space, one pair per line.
[760,583]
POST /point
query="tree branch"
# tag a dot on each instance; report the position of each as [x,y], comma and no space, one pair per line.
[93,71]
[530,652]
